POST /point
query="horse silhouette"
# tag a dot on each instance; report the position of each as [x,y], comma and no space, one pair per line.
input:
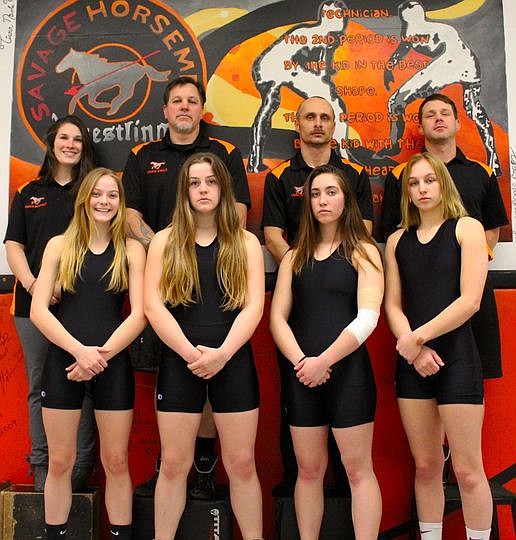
[97,74]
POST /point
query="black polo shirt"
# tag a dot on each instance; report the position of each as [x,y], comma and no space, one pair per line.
[40,210]
[476,184]
[283,193]
[152,170]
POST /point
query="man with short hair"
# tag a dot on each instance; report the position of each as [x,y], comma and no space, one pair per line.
[282,207]
[151,171]
[478,187]
[451,61]
[150,181]
[283,195]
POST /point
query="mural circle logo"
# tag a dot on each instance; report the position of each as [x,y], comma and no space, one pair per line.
[107,62]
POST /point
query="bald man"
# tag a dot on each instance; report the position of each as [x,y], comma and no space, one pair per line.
[282,207]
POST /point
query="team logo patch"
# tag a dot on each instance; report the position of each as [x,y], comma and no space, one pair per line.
[157,167]
[298,191]
[108,61]
[36,202]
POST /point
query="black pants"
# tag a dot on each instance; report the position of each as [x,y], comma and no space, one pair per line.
[486,330]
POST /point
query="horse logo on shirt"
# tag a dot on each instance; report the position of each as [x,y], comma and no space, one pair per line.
[298,191]
[36,202]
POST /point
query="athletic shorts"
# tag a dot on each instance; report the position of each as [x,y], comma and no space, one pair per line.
[233,389]
[112,390]
[459,381]
[347,399]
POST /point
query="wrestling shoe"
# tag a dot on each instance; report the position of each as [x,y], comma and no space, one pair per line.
[203,486]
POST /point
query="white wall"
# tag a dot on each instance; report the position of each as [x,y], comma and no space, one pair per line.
[7,30]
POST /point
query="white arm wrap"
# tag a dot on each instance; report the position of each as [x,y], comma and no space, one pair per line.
[363,324]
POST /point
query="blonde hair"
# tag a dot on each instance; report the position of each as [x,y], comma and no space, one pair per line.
[351,230]
[451,202]
[81,229]
[179,283]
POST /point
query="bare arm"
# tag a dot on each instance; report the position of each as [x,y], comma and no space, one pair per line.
[280,311]
[492,236]
[314,371]
[19,265]
[163,322]
[397,320]
[427,362]
[135,227]
[275,243]
[242,213]
[89,358]
[368,225]
[135,321]
[474,261]
[369,278]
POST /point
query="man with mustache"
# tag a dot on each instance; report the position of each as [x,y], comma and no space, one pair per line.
[283,195]
[150,182]
[282,207]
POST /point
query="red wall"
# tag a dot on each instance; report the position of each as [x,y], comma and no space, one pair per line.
[392,460]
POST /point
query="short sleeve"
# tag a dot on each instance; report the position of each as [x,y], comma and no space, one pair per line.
[16,226]
[391,213]
[133,183]
[240,184]
[274,211]
[364,196]
[493,209]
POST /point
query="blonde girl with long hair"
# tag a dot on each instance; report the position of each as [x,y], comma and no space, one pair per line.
[435,274]
[204,296]
[326,303]
[94,265]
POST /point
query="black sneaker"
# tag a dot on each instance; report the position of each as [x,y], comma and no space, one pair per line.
[203,486]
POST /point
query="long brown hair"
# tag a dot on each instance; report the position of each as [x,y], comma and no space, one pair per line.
[350,230]
[179,283]
[82,227]
[451,202]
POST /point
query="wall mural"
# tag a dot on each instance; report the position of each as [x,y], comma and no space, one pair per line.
[109,60]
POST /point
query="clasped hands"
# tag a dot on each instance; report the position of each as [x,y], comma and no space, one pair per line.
[89,361]
[425,360]
[312,371]
[208,361]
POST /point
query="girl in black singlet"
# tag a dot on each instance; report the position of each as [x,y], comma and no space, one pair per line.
[436,269]
[94,264]
[326,303]
[204,296]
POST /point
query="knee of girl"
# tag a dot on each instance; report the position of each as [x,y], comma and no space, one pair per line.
[241,466]
[468,478]
[115,464]
[172,467]
[60,465]
[357,474]
[428,469]
[311,472]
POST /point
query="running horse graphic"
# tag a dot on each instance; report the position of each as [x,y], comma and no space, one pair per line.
[97,75]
